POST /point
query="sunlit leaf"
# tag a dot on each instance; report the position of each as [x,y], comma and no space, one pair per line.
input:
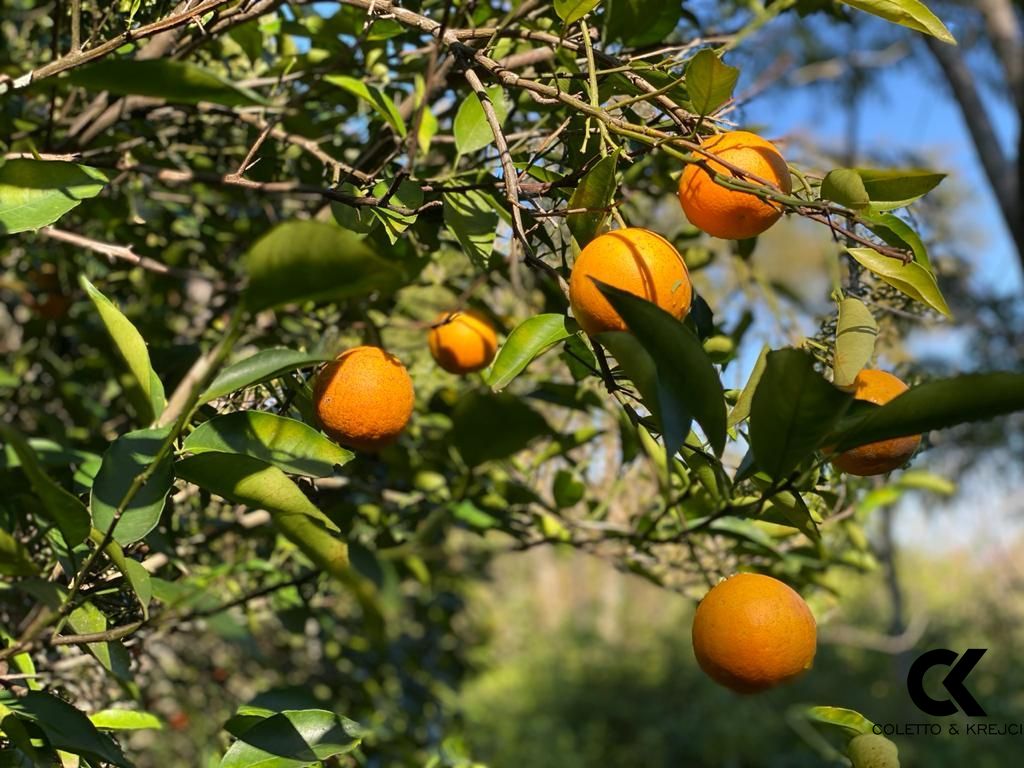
[527,341]
[35,193]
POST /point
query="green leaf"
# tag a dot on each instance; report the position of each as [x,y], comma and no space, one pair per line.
[897,233]
[908,13]
[88,619]
[846,187]
[127,458]
[313,261]
[528,340]
[373,96]
[640,22]
[60,506]
[35,193]
[741,410]
[851,722]
[294,739]
[473,220]
[855,341]
[934,405]
[175,81]
[472,131]
[249,481]
[408,195]
[896,188]
[789,509]
[15,560]
[65,727]
[709,81]
[914,280]
[567,489]
[263,366]
[792,410]
[125,720]
[492,426]
[132,349]
[571,11]
[638,365]
[286,443]
[595,191]
[687,381]
[921,480]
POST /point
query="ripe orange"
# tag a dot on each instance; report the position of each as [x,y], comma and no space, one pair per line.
[877,387]
[364,398]
[462,342]
[752,632]
[635,260]
[730,213]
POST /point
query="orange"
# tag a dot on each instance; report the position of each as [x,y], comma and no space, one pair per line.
[364,398]
[635,260]
[462,342]
[877,387]
[730,213]
[752,632]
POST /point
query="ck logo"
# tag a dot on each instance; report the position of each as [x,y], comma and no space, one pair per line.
[953,682]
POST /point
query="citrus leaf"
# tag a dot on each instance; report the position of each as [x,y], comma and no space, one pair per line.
[286,443]
[127,458]
[709,81]
[640,22]
[112,656]
[175,81]
[934,405]
[855,341]
[59,506]
[313,261]
[595,192]
[897,188]
[741,410]
[789,509]
[125,720]
[908,13]
[897,233]
[491,426]
[293,739]
[688,384]
[571,11]
[913,279]
[263,366]
[65,727]
[472,219]
[846,187]
[373,96]
[132,349]
[528,340]
[35,193]
[850,721]
[471,129]
[408,195]
[793,408]
[15,559]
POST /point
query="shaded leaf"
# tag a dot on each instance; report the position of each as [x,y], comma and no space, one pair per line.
[595,191]
[914,280]
[528,340]
[855,341]
[471,129]
[286,443]
[175,81]
[898,233]
[313,261]
[35,193]
[792,410]
[263,366]
[375,97]
[492,426]
[293,739]
[640,22]
[88,619]
[846,187]
[709,81]
[127,458]
[15,560]
[473,220]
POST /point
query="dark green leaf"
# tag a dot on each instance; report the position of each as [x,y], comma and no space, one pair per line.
[594,193]
[687,381]
[126,458]
[473,220]
[908,13]
[65,727]
[15,560]
[492,426]
[528,340]
[313,261]
[855,341]
[263,366]
[288,444]
[912,279]
[567,489]
[293,739]
[35,193]
[640,22]
[709,81]
[472,131]
[175,81]
[792,410]
[934,405]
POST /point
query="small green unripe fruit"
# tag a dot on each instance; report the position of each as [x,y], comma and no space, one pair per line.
[872,751]
[719,348]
